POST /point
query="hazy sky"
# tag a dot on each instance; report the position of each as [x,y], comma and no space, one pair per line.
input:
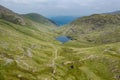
[62,7]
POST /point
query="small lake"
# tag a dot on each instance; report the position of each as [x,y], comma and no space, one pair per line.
[63,39]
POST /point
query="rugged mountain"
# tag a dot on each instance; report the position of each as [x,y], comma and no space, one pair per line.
[9,15]
[62,20]
[97,28]
[30,52]
[39,18]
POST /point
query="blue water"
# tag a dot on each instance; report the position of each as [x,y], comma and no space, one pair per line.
[63,39]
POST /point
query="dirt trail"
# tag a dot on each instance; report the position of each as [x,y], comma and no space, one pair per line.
[55,55]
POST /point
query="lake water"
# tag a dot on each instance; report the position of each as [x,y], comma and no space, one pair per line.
[63,39]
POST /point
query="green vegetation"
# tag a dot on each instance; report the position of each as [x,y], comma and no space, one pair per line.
[96,29]
[39,18]
[30,52]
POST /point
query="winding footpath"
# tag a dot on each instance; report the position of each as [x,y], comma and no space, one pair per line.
[55,55]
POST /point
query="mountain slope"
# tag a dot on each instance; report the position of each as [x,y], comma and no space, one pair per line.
[24,51]
[39,18]
[97,29]
[19,48]
[9,15]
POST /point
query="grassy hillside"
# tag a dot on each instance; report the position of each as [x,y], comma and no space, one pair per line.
[20,50]
[30,52]
[39,18]
[24,56]
[96,29]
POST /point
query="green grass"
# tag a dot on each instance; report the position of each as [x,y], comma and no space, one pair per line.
[31,53]
[95,29]
[40,19]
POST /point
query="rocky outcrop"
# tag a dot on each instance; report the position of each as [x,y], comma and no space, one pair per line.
[9,15]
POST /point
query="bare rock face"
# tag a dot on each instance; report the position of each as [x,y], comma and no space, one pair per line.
[9,15]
